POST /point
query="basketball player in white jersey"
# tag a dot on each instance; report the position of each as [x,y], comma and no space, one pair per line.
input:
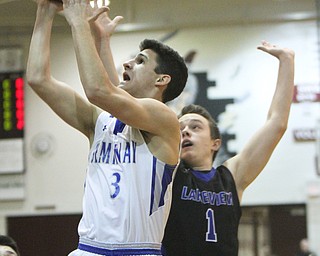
[134,140]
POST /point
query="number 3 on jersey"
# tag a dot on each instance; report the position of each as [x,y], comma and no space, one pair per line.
[116,185]
[211,235]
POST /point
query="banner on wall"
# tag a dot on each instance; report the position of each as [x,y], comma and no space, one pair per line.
[304,135]
[306,93]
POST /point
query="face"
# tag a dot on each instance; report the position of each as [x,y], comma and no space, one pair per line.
[304,245]
[197,145]
[139,76]
[7,251]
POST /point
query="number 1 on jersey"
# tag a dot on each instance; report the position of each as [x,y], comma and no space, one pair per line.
[211,235]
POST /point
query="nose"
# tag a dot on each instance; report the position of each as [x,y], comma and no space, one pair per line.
[185,132]
[127,64]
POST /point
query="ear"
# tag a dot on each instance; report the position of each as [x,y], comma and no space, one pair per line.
[216,144]
[163,80]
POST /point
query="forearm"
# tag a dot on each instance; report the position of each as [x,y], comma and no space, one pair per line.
[106,57]
[93,76]
[38,66]
[282,99]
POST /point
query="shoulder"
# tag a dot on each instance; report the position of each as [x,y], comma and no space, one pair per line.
[226,176]
[224,171]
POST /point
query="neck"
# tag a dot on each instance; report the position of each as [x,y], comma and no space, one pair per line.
[206,167]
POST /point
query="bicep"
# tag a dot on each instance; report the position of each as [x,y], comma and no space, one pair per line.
[145,114]
[157,121]
[250,161]
[69,105]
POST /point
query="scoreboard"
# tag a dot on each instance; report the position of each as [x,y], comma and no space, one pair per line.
[12,122]
[11,105]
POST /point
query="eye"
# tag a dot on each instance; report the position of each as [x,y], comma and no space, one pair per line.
[195,127]
[139,60]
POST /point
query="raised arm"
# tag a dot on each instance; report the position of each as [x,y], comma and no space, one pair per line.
[247,165]
[147,114]
[64,101]
[102,28]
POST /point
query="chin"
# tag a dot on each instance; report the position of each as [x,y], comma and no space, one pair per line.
[185,156]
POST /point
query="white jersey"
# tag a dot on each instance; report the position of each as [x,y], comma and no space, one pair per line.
[127,193]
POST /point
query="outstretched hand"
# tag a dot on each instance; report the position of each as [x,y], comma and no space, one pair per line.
[100,22]
[274,49]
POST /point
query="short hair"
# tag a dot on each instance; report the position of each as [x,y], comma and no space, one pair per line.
[169,62]
[8,241]
[197,109]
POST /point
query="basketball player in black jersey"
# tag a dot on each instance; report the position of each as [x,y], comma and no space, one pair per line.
[205,212]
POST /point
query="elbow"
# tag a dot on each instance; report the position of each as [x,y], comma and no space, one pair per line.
[281,128]
[282,123]
[284,127]
[279,124]
[91,97]
[98,91]
[35,79]
[93,94]
[32,81]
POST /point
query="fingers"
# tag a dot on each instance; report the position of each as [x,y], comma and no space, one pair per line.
[266,46]
[117,19]
[265,43]
[101,10]
[276,51]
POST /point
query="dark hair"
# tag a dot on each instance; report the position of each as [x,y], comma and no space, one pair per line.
[171,63]
[197,109]
[8,241]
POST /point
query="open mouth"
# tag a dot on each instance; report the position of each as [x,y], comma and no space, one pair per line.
[125,77]
[186,143]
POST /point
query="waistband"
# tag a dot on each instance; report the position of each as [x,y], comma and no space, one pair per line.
[119,249]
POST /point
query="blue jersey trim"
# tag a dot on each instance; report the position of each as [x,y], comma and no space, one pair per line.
[154,164]
[167,173]
[166,180]
[119,126]
[204,175]
[118,252]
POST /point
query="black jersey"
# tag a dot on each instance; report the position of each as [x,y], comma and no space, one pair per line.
[204,215]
